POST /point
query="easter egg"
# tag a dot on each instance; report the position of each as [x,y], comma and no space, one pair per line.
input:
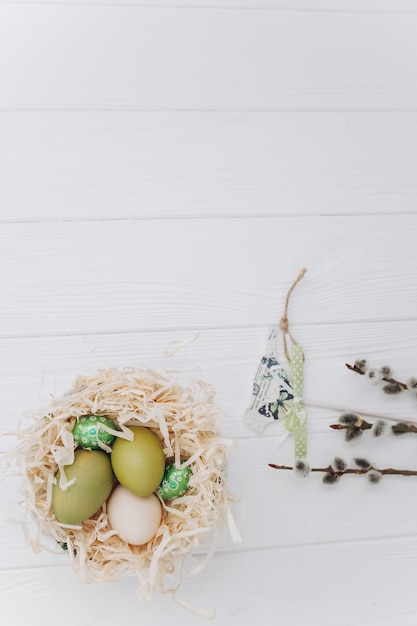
[174,482]
[88,430]
[93,484]
[136,518]
[139,464]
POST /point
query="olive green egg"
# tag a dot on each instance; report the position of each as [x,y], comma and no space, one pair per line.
[139,464]
[93,483]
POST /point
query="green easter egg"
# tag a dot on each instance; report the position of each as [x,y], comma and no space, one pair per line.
[87,431]
[175,482]
[139,464]
[93,483]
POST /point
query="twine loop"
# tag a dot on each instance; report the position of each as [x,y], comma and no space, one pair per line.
[284,322]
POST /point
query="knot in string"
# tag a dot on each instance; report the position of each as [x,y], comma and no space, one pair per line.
[283,324]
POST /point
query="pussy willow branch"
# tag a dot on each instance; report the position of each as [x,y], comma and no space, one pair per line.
[387,379]
[330,470]
[363,426]
[378,415]
[399,428]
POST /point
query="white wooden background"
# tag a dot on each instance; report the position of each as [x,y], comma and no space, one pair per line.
[166,169]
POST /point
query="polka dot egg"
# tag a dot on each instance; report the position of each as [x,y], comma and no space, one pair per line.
[88,431]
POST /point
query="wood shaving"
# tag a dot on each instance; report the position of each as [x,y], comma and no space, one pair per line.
[186,420]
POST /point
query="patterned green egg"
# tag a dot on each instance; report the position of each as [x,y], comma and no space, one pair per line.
[87,431]
[174,483]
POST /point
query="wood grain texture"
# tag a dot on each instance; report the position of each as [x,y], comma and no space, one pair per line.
[40,367]
[360,6]
[332,583]
[96,166]
[112,277]
[131,58]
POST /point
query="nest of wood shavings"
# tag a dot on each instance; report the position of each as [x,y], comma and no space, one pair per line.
[186,420]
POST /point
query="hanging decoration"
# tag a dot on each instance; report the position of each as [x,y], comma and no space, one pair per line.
[278,394]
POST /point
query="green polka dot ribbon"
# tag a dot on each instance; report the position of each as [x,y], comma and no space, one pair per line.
[295,421]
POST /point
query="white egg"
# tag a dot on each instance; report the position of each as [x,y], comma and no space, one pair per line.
[136,518]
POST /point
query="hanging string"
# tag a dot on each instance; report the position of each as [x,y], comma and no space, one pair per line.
[284,323]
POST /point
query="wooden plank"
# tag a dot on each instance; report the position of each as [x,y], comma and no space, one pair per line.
[34,369]
[115,277]
[277,508]
[134,165]
[353,509]
[131,58]
[320,585]
[375,6]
